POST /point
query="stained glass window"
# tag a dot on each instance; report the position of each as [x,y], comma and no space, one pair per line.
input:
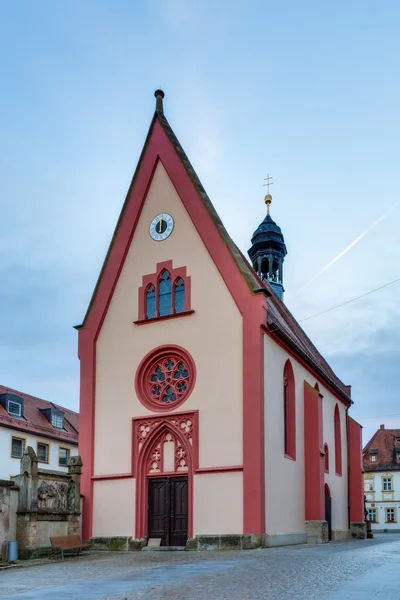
[164,298]
[167,378]
[150,302]
[179,297]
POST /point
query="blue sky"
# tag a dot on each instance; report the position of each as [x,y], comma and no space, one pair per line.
[307,91]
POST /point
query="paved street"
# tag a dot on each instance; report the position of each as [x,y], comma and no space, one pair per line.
[351,570]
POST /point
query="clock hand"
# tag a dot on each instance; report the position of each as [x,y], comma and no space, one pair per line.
[160,222]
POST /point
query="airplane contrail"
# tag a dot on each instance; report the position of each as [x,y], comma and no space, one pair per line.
[349,247]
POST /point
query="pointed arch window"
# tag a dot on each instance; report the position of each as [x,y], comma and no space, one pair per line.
[179,295]
[338,442]
[150,301]
[165,293]
[289,411]
[326,450]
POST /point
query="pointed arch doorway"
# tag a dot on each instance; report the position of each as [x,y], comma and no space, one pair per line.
[168,510]
[164,455]
[328,510]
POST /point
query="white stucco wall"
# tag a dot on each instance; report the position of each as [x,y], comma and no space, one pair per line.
[212,335]
[218,503]
[114,508]
[381,500]
[284,478]
[10,466]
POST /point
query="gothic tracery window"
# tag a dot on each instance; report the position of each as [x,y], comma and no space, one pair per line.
[179,295]
[165,378]
[150,302]
[338,442]
[289,411]
[164,293]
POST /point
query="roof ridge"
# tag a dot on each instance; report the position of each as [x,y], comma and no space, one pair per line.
[26,395]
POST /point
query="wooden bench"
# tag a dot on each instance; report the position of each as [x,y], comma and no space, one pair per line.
[68,542]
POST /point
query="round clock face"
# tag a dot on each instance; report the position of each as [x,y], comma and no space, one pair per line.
[161,227]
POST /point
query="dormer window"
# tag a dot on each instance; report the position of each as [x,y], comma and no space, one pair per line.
[373,455]
[57,421]
[54,416]
[14,409]
[13,404]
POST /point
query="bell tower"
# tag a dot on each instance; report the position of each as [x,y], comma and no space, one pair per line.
[268,250]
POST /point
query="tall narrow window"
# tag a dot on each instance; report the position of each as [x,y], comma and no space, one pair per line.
[164,294]
[150,302]
[326,450]
[338,442]
[179,296]
[289,411]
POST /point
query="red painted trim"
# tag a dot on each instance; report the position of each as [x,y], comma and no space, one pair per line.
[355,471]
[141,379]
[289,400]
[338,442]
[185,313]
[202,470]
[141,461]
[251,307]
[313,460]
[304,363]
[110,477]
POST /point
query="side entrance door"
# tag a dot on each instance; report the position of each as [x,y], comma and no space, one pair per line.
[328,510]
[168,510]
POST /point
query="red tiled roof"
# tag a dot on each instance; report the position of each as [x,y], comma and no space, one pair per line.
[35,422]
[382,444]
[281,322]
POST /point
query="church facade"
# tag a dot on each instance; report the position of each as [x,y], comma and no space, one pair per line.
[208,418]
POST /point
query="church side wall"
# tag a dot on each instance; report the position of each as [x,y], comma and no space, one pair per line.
[284,478]
[213,337]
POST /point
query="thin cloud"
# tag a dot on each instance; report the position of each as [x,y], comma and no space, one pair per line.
[349,247]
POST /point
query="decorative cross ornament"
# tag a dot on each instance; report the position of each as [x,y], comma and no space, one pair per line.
[267,179]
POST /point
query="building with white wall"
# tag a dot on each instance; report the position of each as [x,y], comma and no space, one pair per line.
[381,459]
[51,430]
[205,409]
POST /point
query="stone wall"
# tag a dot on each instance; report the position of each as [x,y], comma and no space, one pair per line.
[39,504]
[8,515]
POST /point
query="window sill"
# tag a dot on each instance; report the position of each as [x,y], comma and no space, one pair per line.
[184,313]
[338,474]
[290,457]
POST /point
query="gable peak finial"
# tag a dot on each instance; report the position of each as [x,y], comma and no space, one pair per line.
[159,95]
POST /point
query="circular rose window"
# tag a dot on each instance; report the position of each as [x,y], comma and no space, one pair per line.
[165,378]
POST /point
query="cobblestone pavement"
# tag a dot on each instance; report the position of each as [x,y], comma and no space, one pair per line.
[348,570]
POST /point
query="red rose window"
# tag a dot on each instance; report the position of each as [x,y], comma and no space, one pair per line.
[165,378]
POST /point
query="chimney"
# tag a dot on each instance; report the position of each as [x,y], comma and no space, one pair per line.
[382,427]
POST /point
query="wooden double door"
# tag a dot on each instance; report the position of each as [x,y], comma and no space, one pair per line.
[168,510]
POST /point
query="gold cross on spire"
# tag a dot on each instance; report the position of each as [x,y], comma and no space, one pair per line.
[268,197]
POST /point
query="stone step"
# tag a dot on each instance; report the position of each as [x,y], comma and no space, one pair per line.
[163,548]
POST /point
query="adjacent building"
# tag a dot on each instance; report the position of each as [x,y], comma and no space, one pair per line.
[208,417]
[381,459]
[51,430]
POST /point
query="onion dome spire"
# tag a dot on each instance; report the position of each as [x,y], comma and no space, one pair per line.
[268,249]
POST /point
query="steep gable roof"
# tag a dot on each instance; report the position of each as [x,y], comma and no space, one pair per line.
[279,318]
[35,422]
[384,446]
